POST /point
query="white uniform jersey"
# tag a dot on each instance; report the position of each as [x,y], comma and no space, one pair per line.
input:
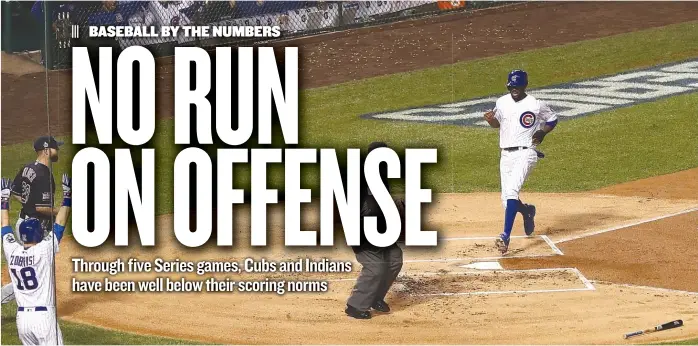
[520,120]
[31,270]
[33,281]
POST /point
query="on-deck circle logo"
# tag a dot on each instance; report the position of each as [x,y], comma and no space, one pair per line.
[527,119]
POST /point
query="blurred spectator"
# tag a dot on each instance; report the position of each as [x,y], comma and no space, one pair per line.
[114,12]
[142,17]
[293,17]
[216,11]
[174,13]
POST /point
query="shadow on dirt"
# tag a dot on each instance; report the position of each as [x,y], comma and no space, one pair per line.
[581,222]
[77,302]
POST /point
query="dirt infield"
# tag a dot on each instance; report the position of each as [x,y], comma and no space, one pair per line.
[565,285]
[595,291]
[656,253]
[340,57]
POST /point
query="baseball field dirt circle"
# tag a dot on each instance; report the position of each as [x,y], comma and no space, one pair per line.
[601,263]
[566,282]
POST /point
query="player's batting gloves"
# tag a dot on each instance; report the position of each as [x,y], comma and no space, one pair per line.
[5,188]
[66,190]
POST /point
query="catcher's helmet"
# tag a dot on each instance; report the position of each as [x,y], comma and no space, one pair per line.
[30,230]
[517,78]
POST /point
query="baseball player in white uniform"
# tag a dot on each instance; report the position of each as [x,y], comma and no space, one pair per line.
[523,121]
[31,268]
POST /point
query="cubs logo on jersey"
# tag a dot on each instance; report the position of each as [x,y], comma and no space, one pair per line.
[527,119]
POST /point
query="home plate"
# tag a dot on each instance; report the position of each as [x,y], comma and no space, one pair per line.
[483,266]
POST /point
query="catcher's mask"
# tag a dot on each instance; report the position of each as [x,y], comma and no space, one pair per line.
[517,78]
[30,231]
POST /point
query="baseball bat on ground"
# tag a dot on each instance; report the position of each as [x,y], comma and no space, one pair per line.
[665,326]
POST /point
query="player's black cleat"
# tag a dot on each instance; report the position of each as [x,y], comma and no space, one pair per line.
[502,244]
[529,219]
[356,313]
[381,306]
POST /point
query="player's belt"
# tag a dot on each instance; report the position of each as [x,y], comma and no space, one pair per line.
[33,308]
[514,148]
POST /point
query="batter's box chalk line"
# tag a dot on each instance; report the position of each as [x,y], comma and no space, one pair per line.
[588,286]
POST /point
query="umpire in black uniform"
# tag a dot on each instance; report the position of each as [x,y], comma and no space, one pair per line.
[34,185]
[381,266]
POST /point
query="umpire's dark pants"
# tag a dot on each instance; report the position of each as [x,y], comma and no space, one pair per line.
[381,267]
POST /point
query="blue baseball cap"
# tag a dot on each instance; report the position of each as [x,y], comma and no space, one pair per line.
[517,78]
[46,142]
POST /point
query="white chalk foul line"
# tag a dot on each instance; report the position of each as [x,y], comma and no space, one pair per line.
[651,288]
[463,259]
[589,234]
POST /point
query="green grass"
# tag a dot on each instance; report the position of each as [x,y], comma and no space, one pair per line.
[582,154]
[586,153]
[82,334]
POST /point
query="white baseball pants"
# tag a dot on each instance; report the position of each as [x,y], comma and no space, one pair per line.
[39,327]
[514,167]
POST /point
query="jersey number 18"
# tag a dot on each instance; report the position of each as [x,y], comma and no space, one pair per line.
[26,278]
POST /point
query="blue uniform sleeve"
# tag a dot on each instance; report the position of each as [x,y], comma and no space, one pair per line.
[9,244]
[58,231]
[6,230]
[552,123]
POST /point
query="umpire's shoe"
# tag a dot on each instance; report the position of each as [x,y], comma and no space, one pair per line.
[356,313]
[529,216]
[381,306]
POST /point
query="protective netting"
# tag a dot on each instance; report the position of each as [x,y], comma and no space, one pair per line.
[70,20]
